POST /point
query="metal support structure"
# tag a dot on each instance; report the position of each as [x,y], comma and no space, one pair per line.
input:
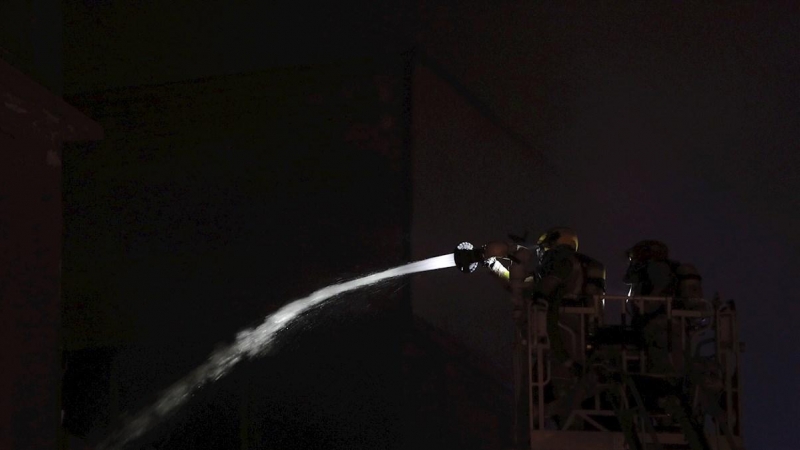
[650,387]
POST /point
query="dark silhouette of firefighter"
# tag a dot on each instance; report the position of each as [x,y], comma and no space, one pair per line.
[651,273]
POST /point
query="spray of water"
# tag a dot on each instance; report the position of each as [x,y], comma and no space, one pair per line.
[250,343]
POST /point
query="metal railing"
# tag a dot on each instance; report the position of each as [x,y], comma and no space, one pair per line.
[696,330]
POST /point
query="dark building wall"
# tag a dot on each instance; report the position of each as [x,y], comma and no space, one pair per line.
[491,183]
[33,124]
[266,172]
[30,222]
[454,398]
[210,204]
[151,42]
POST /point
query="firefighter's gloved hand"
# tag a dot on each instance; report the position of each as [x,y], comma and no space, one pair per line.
[467,257]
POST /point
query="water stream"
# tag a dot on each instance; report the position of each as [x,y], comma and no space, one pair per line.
[250,343]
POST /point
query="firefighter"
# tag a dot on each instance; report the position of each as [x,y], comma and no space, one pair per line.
[562,274]
[565,278]
[650,272]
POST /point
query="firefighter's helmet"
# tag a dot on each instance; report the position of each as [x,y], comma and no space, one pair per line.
[648,250]
[557,236]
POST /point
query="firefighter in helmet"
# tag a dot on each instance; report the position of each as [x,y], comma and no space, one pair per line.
[565,276]
[562,274]
[652,273]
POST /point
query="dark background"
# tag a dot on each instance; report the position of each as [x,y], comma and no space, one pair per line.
[630,121]
[212,204]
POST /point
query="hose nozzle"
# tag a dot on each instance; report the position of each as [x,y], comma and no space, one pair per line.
[467,257]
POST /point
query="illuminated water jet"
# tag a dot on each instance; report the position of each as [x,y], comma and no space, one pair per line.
[250,343]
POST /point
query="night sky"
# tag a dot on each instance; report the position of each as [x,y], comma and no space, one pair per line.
[674,122]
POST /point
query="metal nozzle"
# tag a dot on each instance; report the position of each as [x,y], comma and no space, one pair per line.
[467,257]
